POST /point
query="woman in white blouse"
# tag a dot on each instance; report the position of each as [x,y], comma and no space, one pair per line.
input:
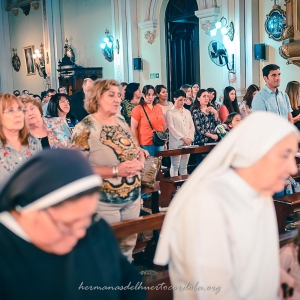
[181,128]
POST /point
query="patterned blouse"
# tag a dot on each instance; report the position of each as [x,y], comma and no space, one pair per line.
[245,110]
[126,109]
[10,159]
[215,105]
[109,146]
[204,123]
[58,132]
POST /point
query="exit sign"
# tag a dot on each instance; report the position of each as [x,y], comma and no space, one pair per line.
[154,75]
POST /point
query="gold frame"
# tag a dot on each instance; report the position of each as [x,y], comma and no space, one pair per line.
[29,69]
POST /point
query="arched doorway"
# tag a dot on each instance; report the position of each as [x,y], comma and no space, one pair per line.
[182,37]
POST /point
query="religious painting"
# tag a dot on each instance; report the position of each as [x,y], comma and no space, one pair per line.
[29,61]
[275,24]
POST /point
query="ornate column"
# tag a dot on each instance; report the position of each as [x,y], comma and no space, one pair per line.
[251,37]
[6,77]
[53,40]
[150,23]
[208,18]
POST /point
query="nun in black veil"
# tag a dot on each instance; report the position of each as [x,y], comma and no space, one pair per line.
[50,248]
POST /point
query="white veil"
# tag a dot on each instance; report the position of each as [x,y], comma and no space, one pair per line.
[241,148]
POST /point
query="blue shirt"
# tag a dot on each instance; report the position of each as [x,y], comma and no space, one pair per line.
[267,100]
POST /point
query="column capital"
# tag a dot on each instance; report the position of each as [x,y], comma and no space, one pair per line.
[208,18]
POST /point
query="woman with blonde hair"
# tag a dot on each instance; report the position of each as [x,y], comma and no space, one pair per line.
[106,138]
[293,91]
[17,145]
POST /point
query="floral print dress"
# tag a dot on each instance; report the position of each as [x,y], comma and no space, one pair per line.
[204,123]
[10,159]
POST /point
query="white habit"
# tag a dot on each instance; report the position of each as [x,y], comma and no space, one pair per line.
[219,234]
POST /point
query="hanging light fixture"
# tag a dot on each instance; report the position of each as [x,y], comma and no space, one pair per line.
[39,58]
[108,46]
[224,28]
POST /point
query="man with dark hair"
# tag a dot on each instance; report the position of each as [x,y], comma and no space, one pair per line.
[77,100]
[16,93]
[62,90]
[270,98]
[25,92]
[50,93]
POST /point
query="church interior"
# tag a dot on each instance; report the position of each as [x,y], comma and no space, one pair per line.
[48,44]
[143,30]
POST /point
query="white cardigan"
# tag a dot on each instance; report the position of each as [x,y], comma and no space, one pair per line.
[179,125]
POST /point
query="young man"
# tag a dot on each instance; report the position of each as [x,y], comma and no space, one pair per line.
[270,98]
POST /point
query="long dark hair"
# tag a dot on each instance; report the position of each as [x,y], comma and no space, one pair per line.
[145,91]
[232,106]
[230,118]
[249,94]
[210,90]
[196,104]
[53,107]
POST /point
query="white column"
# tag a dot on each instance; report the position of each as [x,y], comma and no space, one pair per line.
[251,38]
[132,38]
[53,38]
[119,32]
[6,77]
[239,41]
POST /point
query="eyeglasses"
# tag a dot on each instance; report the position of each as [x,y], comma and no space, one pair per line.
[12,111]
[69,229]
[64,101]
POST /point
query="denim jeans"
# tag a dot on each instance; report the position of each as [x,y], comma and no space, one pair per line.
[152,149]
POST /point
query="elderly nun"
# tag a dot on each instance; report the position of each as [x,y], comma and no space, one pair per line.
[220,235]
[50,248]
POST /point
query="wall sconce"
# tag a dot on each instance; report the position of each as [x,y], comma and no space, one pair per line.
[108,46]
[39,58]
[225,29]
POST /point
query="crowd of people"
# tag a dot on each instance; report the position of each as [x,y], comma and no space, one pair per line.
[113,125]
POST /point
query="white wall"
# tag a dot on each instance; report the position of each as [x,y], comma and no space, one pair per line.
[84,24]
[288,72]
[153,55]
[26,31]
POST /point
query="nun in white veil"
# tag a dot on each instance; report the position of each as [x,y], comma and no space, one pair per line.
[220,235]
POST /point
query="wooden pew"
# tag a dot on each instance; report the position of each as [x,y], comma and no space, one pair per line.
[285,206]
[168,187]
[128,227]
[170,184]
[155,192]
[141,224]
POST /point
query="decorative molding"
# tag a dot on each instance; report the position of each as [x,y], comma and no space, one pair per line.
[150,37]
[151,8]
[36,5]
[15,12]
[294,61]
[18,3]
[148,25]
[208,17]
[149,28]
[287,33]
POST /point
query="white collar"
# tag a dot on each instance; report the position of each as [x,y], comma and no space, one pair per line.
[11,223]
